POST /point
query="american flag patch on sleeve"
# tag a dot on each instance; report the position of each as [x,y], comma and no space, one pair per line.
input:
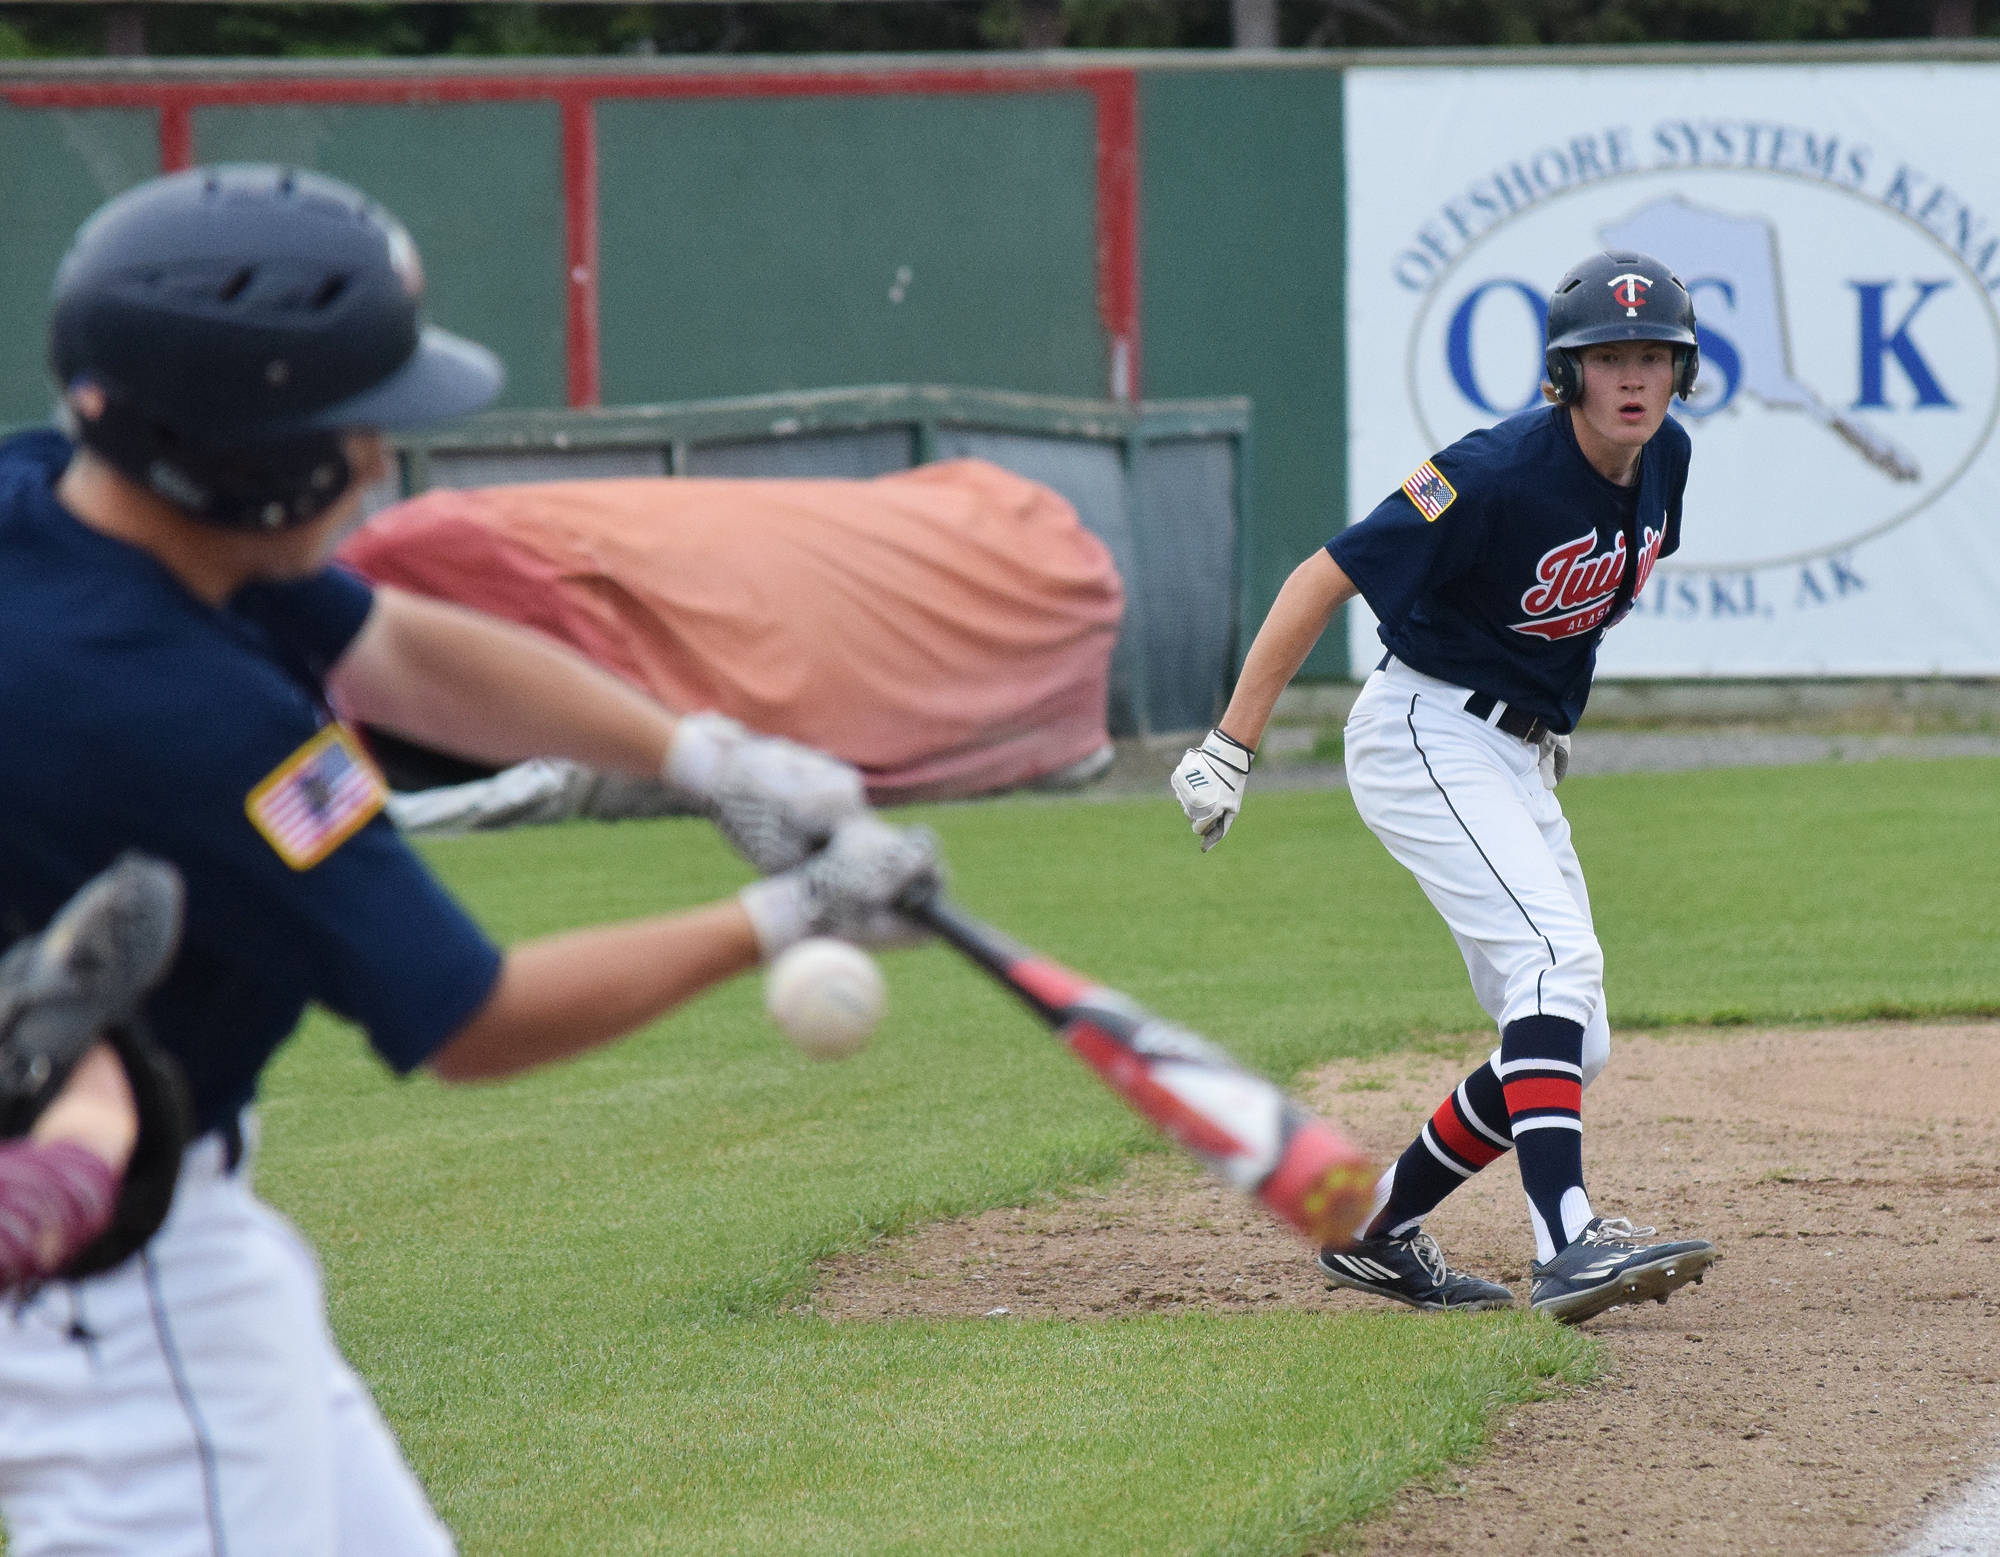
[1428,489]
[317,798]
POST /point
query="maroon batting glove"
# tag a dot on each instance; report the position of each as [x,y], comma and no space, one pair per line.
[54,1200]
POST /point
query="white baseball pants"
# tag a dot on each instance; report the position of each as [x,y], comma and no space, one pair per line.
[1462,806]
[192,1403]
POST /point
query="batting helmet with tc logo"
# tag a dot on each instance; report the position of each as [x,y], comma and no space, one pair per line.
[1619,295]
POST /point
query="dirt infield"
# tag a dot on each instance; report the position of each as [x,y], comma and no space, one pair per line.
[1833,1381]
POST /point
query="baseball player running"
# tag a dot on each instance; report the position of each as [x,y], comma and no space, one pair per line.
[228,343]
[1495,571]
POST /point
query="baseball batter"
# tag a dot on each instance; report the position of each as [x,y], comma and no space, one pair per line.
[227,343]
[1495,572]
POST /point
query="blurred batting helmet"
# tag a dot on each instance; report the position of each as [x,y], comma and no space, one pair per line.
[1621,295]
[215,331]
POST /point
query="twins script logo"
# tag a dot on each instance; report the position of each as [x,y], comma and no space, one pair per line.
[1575,584]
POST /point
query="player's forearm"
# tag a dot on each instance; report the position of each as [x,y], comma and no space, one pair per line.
[470,684]
[1298,617]
[566,994]
[94,1110]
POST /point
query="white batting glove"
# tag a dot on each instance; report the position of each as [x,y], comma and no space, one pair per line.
[774,799]
[849,889]
[1210,783]
[1555,759]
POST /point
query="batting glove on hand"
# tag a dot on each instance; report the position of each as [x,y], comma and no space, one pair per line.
[1555,759]
[774,800]
[849,889]
[1209,784]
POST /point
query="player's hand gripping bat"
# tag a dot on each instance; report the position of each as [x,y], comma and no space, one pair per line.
[1243,1127]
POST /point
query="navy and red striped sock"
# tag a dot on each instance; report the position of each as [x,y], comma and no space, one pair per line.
[1468,1131]
[1541,1070]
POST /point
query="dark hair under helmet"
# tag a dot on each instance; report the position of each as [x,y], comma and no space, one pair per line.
[214,332]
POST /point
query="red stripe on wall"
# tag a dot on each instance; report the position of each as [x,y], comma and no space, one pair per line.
[579,167]
[1118,226]
[176,137]
[1115,93]
[418,90]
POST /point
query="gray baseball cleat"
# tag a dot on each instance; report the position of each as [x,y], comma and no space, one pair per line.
[1410,1270]
[1609,1264]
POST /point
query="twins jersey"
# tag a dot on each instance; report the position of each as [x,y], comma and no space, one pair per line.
[138,716]
[1497,565]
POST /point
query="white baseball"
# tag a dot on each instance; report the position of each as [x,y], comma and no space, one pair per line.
[826,996]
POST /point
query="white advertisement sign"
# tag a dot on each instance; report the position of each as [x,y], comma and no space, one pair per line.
[1839,230]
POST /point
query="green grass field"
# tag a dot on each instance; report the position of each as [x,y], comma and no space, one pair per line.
[572,1293]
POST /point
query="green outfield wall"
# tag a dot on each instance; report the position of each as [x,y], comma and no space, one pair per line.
[1094,230]
[55,167]
[753,245]
[1242,262]
[1103,226]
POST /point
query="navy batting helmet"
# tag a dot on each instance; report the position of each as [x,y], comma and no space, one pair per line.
[1621,295]
[215,331]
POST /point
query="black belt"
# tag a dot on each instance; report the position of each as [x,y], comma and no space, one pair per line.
[1520,724]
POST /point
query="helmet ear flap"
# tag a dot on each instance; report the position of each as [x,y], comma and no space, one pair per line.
[1565,374]
[1687,368]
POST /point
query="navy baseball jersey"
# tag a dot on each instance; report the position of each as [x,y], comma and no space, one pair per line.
[1497,564]
[139,716]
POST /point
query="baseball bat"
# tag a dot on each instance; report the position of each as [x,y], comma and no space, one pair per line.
[1243,1127]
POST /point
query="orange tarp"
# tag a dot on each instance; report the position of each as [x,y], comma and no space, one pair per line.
[947,629]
